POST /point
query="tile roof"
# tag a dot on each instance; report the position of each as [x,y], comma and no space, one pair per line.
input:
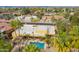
[47,17]
[58,17]
[4,21]
[5,27]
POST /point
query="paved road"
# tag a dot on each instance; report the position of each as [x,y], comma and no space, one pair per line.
[16,48]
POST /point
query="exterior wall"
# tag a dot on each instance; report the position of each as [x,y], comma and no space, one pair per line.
[52,30]
[40,30]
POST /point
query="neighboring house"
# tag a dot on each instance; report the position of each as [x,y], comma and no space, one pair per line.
[4,21]
[5,27]
[35,29]
[49,18]
[9,12]
[49,13]
[27,18]
[5,30]
[58,17]
[46,18]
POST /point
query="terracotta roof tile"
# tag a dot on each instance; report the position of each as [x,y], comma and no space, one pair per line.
[5,27]
[4,21]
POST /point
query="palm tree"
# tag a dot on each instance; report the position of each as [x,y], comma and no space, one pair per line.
[16,24]
[66,42]
[62,42]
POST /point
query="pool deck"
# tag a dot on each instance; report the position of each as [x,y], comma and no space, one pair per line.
[51,49]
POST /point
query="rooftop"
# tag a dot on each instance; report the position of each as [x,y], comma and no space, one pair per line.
[4,21]
[58,17]
[34,23]
[5,27]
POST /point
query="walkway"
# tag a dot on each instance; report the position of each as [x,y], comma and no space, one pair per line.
[19,46]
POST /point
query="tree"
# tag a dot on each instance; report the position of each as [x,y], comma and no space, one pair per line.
[61,42]
[74,36]
[74,20]
[16,24]
[68,39]
[39,14]
[35,20]
[25,11]
[5,46]
[7,16]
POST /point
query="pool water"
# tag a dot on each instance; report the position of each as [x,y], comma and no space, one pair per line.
[38,44]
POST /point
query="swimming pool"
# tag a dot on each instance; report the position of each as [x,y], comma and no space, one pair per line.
[39,44]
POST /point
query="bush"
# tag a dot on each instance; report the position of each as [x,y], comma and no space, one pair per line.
[31,48]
